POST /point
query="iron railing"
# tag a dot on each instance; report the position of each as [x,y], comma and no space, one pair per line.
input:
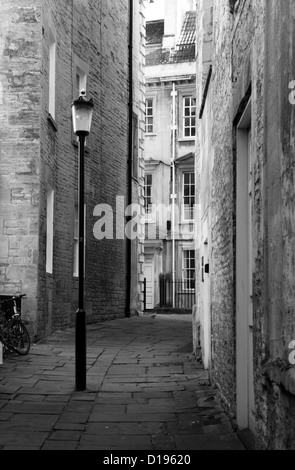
[184,293]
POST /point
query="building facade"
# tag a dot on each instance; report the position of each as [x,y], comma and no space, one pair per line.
[245,161]
[169,154]
[50,50]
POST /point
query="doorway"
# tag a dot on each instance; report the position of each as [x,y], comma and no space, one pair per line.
[244,275]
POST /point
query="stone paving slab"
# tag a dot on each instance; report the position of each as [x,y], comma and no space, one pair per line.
[145,391]
[208,442]
[134,428]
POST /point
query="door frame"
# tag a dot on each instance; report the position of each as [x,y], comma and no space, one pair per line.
[244,357]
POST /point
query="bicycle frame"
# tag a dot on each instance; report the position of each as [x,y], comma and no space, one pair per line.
[13,333]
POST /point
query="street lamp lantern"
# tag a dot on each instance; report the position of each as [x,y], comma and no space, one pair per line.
[82,111]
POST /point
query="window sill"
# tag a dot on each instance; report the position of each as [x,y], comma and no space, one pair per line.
[187,139]
[153,134]
[186,291]
[52,122]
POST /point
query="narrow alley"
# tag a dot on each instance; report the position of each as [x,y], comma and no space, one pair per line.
[145,391]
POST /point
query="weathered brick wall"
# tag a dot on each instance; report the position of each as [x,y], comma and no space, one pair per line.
[204,164]
[98,34]
[222,204]
[253,42]
[100,38]
[20,97]
[237,60]
[276,377]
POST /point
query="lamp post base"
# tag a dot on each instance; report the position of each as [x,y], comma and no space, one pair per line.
[80,334]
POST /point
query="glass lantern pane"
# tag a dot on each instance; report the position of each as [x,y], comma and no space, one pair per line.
[82,117]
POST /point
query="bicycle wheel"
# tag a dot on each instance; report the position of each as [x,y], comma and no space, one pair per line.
[19,337]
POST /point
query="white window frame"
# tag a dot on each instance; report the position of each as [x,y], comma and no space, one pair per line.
[186,269]
[191,116]
[148,208]
[188,208]
[81,83]
[150,116]
[49,229]
[81,69]
[52,72]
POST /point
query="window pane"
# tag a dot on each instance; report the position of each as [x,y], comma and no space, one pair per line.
[148,193]
[49,229]
[149,116]
[188,195]
[188,272]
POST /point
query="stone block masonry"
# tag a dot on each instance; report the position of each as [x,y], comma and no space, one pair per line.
[252,46]
[20,98]
[39,152]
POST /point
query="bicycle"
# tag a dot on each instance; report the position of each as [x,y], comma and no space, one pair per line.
[13,334]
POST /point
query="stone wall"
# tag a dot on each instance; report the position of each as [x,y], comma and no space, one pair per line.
[93,35]
[275,374]
[252,56]
[20,99]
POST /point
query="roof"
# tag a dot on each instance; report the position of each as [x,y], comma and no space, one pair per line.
[154,32]
[185,44]
[184,158]
[188,33]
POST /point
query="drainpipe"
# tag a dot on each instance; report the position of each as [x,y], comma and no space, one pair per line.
[173,197]
[129,164]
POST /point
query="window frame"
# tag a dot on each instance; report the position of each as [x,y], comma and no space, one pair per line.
[191,116]
[50,199]
[190,196]
[190,279]
[148,208]
[152,116]
[83,76]
[52,73]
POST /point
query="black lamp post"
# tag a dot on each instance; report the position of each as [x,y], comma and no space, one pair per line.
[82,111]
